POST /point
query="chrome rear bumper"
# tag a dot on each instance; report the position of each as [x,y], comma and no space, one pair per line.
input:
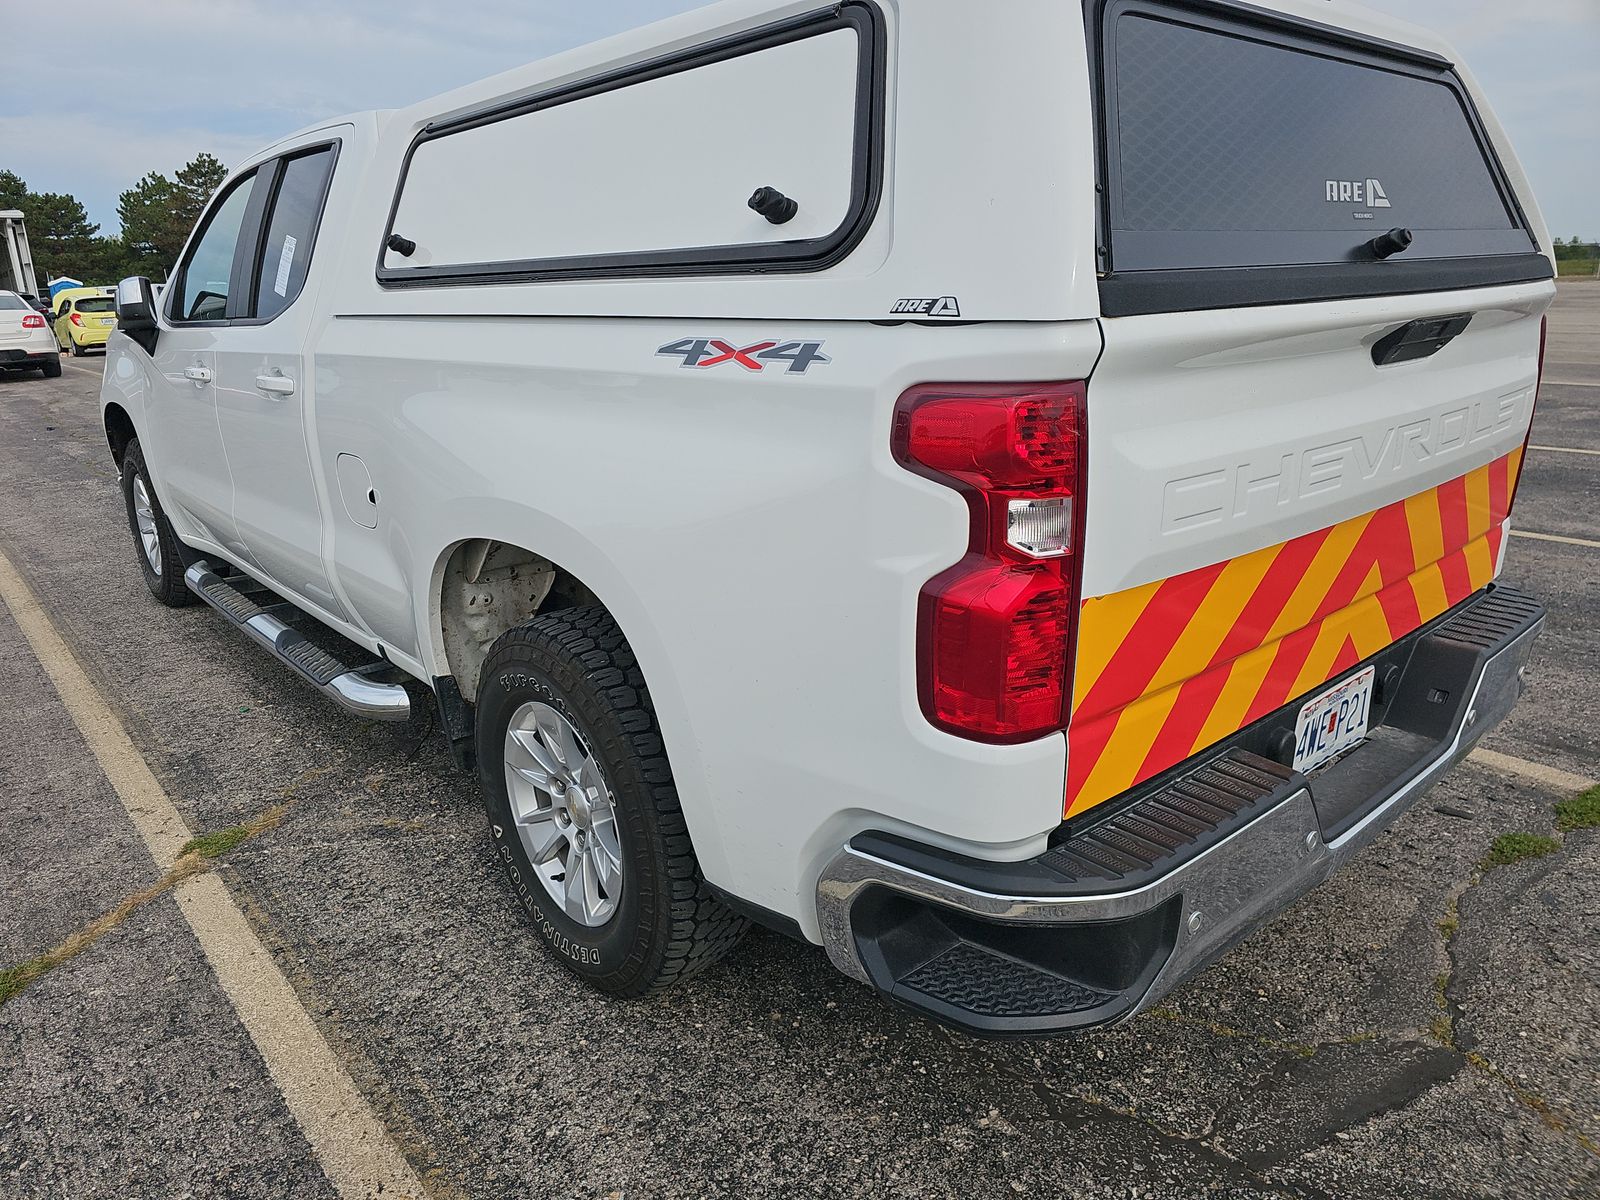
[884,905]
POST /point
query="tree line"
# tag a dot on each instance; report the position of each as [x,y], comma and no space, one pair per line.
[1573,248]
[157,214]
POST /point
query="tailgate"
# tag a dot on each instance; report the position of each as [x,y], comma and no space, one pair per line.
[1299,451]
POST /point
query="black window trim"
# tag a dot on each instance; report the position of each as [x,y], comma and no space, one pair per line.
[245,274]
[809,254]
[1192,289]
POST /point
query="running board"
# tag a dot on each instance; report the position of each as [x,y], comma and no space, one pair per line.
[352,688]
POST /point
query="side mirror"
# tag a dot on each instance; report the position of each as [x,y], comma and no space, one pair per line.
[136,311]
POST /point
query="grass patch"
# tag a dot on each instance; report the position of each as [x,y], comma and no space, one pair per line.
[215,845]
[1514,847]
[1579,812]
[219,842]
[14,979]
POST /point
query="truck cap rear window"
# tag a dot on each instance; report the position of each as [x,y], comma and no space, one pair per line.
[1231,142]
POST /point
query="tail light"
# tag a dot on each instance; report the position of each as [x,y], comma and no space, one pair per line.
[76,320]
[1538,382]
[995,632]
[33,321]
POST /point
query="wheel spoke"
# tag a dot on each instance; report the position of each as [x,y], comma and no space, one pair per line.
[541,770]
[557,735]
[607,868]
[546,851]
[578,904]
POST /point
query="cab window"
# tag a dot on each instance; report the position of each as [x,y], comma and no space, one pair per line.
[201,291]
[286,249]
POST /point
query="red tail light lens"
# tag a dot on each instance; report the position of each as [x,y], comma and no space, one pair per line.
[995,631]
[33,321]
[76,320]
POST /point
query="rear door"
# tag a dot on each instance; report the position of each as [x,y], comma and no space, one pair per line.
[1300,449]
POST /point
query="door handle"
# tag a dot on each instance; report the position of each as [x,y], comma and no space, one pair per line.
[198,374]
[275,385]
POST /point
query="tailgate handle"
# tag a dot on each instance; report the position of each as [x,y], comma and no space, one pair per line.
[1418,339]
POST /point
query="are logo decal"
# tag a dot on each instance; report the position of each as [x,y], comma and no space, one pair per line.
[933,306]
[701,353]
[1367,192]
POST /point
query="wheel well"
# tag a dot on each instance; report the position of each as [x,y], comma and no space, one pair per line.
[119,431]
[489,587]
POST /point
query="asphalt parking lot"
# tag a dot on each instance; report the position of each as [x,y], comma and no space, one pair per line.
[1416,1027]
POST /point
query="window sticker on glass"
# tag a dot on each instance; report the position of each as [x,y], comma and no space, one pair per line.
[285,261]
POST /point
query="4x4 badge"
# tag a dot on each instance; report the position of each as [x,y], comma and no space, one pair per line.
[714,352]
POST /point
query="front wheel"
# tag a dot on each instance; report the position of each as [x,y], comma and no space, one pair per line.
[152,533]
[582,808]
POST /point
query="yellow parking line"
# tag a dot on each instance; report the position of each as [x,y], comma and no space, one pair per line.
[1551,777]
[1564,450]
[355,1151]
[1554,537]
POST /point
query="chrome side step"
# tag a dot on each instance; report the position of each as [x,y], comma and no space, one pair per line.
[353,689]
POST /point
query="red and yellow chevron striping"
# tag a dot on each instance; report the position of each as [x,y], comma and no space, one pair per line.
[1166,669]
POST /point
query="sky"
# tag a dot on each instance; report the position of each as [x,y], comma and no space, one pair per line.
[229,76]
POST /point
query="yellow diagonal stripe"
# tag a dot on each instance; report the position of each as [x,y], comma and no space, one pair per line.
[1215,618]
[1478,515]
[1313,587]
[1103,626]
[1427,529]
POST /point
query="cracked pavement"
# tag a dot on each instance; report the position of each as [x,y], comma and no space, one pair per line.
[1314,1060]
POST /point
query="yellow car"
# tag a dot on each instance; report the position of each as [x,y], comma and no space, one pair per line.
[84,317]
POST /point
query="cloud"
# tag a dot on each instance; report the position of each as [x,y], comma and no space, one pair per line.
[229,76]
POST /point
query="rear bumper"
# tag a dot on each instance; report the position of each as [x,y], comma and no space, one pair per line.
[28,356]
[1141,893]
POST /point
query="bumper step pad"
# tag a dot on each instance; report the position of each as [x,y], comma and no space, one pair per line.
[975,979]
[368,689]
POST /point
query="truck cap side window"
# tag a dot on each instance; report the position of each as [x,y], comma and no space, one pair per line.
[659,168]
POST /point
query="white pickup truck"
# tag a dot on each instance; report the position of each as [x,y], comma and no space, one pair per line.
[1012,497]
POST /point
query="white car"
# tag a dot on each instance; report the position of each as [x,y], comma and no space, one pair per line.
[26,342]
[1012,500]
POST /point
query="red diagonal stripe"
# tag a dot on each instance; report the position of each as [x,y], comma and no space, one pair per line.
[1271,594]
[1150,640]
[1196,698]
[1499,490]
[1290,656]
[1453,522]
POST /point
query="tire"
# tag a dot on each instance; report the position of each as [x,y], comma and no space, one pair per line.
[666,924]
[51,368]
[77,349]
[164,575]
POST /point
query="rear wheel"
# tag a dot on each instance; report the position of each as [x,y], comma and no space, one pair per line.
[153,537]
[583,811]
[51,368]
[77,349]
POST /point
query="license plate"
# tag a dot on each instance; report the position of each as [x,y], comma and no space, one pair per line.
[1333,721]
[108,320]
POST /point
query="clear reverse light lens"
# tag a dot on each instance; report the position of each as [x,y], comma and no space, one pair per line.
[1040,528]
